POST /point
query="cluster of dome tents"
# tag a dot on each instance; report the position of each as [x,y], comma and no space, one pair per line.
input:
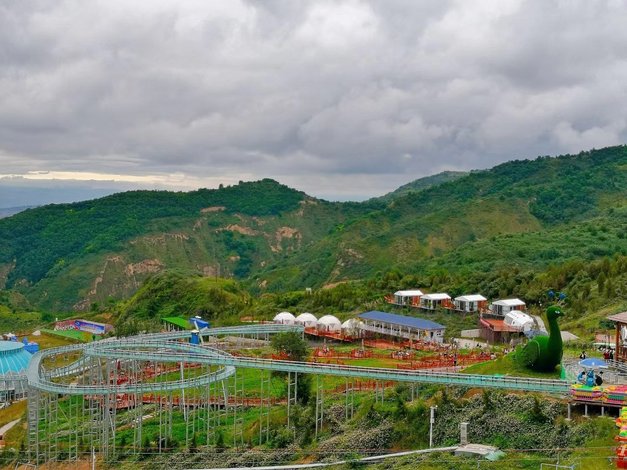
[326,323]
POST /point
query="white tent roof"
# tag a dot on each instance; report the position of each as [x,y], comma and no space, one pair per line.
[408,293]
[440,296]
[284,316]
[509,302]
[568,336]
[518,319]
[329,320]
[471,298]
[306,318]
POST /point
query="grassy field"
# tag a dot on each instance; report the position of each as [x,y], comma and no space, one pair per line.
[75,335]
[506,365]
[17,410]
[47,341]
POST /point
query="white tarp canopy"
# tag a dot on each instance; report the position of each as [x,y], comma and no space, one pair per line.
[284,318]
[519,320]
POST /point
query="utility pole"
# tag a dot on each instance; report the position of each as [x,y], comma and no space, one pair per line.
[431,421]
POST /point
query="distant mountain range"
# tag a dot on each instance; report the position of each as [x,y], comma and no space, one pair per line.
[522,213]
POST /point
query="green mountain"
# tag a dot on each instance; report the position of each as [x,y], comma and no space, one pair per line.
[421,184]
[483,209]
[531,213]
[75,255]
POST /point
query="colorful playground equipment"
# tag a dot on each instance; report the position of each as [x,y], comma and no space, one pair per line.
[621,450]
[609,395]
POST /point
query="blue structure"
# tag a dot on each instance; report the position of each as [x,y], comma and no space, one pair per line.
[14,360]
[401,326]
[30,346]
[195,338]
[198,323]
[13,357]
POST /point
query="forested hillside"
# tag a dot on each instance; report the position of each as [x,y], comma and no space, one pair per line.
[421,184]
[478,214]
[524,216]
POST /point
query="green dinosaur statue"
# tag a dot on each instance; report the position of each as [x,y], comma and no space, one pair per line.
[543,353]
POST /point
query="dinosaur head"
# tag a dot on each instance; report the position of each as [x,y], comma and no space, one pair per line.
[554,311]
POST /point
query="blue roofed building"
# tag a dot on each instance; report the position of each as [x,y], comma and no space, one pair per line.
[14,360]
[401,326]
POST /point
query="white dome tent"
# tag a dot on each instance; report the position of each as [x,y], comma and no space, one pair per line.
[284,318]
[307,320]
[329,323]
[352,327]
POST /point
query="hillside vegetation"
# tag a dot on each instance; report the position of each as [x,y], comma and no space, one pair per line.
[522,217]
[491,210]
[421,184]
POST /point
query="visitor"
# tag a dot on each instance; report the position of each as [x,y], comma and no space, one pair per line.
[606,355]
[611,355]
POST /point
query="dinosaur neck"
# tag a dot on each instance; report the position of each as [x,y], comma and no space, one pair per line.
[555,337]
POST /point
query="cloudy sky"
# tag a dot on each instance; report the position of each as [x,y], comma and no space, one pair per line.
[342,99]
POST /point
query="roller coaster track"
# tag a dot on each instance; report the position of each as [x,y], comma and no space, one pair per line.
[167,347]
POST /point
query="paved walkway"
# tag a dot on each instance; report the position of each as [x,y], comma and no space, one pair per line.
[4,429]
[374,458]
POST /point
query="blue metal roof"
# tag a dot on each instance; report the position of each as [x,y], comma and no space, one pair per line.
[13,357]
[411,322]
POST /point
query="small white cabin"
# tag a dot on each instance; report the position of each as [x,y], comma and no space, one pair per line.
[470,303]
[406,298]
[502,307]
[433,301]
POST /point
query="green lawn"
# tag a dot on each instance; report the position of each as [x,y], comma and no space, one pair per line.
[506,365]
[76,335]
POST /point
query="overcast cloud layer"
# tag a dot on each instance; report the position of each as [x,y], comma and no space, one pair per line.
[342,99]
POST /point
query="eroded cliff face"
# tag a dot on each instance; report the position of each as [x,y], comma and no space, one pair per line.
[201,245]
[5,270]
[117,279]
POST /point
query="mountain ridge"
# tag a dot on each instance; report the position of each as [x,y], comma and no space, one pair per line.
[275,237]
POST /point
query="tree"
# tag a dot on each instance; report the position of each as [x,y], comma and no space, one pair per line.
[291,344]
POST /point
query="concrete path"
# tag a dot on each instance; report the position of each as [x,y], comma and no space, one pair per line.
[374,458]
[4,429]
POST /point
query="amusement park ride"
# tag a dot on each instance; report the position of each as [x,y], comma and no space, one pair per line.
[117,384]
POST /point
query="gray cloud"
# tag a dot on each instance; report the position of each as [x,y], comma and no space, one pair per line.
[361,96]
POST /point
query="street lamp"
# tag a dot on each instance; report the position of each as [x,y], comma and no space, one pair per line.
[431,421]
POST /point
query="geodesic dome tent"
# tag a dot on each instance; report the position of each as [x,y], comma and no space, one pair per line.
[307,320]
[352,327]
[329,323]
[284,318]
